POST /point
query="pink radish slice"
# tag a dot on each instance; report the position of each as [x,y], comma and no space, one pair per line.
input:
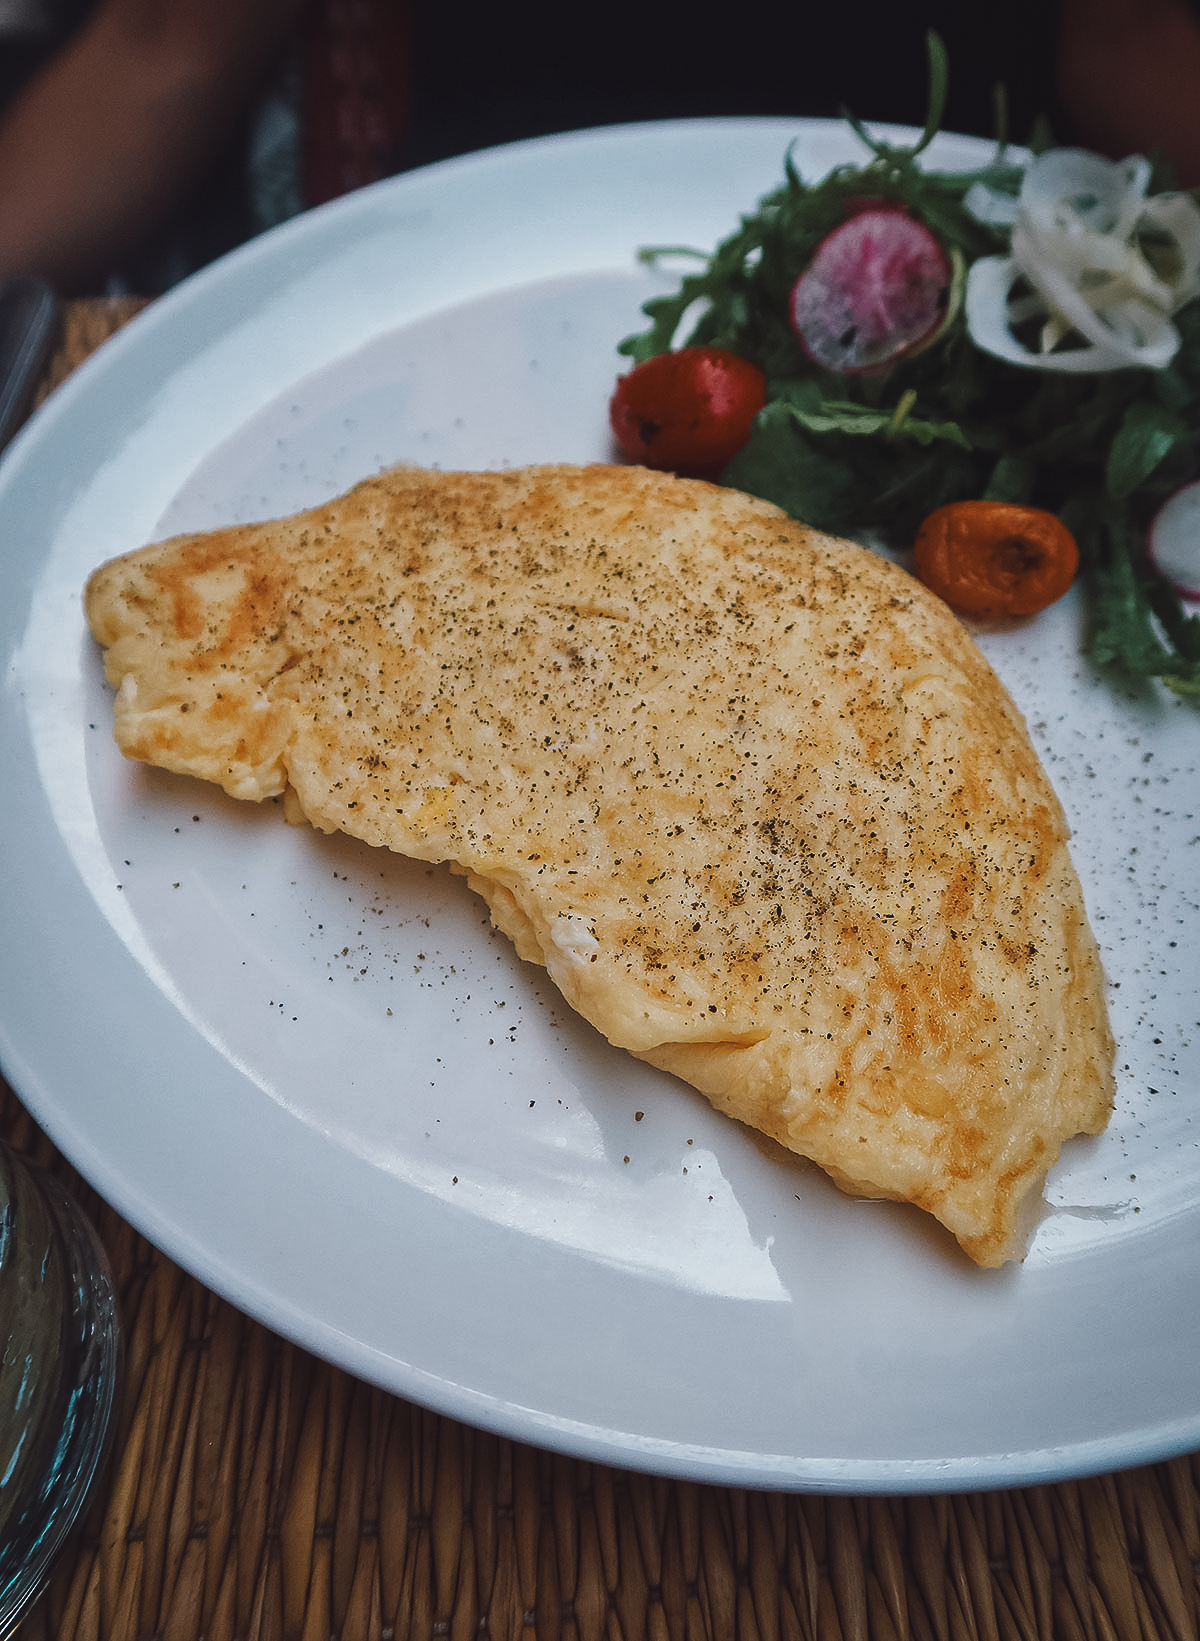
[877,287]
[1173,543]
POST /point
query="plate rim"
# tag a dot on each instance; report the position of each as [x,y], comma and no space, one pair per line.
[144,335]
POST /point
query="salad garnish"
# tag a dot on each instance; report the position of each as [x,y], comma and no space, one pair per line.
[871,452]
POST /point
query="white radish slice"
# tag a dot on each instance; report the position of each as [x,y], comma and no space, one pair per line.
[1173,542]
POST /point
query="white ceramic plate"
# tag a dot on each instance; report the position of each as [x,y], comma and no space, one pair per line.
[312,1075]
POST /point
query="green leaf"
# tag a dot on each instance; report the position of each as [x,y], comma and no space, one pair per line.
[1000,115]
[1148,432]
[801,393]
[939,78]
[1041,136]
[859,421]
[1122,632]
[1013,480]
[844,418]
[875,144]
[779,464]
[1125,632]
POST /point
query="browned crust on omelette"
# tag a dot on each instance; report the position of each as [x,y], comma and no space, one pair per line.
[752,795]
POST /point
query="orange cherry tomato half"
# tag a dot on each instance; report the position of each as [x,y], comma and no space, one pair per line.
[990,558]
[687,412]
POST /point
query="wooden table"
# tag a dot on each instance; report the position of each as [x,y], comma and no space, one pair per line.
[258,1492]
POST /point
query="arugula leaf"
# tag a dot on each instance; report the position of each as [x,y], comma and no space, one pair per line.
[939,79]
[781,465]
[843,416]
[1147,434]
[1013,479]
[1123,631]
[1137,625]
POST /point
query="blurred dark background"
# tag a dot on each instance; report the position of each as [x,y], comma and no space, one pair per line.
[493,74]
[139,139]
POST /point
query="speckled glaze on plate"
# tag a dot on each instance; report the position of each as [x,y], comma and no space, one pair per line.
[312,1074]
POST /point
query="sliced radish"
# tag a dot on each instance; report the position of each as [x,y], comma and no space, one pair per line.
[1173,543]
[877,287]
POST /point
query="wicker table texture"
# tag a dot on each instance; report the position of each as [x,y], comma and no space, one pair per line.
[257,1492]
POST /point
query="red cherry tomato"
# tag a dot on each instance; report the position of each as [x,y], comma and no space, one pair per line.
[687,412]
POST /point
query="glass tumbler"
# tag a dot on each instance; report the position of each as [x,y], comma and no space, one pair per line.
[61,1362]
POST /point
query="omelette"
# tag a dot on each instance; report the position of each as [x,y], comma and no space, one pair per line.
[750,794]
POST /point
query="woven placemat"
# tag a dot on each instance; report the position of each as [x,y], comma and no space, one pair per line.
[83,325]
[258,1492]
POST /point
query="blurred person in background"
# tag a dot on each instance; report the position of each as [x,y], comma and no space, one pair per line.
[139,139]
[119,118]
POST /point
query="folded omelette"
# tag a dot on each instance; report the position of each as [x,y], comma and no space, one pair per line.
[751,795]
